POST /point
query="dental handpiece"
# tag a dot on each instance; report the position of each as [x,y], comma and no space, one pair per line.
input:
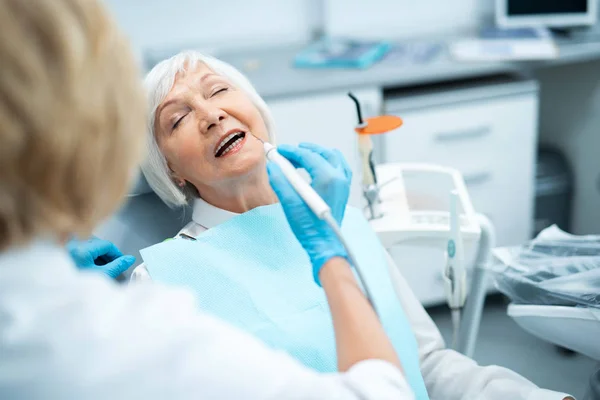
[318,206]
[304,190]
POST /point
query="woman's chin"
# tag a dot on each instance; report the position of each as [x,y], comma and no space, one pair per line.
[241,165]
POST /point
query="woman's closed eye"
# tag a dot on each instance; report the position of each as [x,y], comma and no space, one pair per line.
[178,121]
[221,90]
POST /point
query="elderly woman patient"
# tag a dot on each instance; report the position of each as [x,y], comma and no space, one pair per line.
[205,118]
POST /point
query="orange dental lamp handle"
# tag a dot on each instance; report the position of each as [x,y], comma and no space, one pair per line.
[366,128]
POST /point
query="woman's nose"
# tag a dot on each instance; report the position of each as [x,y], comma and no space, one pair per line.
[213,118]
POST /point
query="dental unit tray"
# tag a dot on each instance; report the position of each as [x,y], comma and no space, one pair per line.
[415,204]
[409,201]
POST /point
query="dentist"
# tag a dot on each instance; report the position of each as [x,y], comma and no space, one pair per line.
[72,121]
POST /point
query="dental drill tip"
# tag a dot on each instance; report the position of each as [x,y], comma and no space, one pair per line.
[256,137]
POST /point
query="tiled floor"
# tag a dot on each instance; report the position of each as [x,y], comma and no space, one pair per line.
[502,342]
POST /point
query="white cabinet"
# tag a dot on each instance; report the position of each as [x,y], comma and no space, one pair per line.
[488,133]
[327,119]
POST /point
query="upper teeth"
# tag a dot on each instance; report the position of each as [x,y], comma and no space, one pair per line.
[226,140]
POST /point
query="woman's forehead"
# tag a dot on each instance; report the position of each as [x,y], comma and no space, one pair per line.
[193,74]
[191,79]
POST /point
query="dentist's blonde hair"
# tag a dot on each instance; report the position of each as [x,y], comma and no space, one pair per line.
[72,115]
[158,83]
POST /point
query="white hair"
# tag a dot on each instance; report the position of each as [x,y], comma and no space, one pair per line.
[158,84]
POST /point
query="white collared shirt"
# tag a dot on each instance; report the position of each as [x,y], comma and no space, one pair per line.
[448,375]
[66,334]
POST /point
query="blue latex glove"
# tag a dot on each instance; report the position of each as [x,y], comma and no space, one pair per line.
[331,177]
[100,255]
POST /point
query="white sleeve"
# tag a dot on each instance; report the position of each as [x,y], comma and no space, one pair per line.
[232,365]
[450,375]
[150,342]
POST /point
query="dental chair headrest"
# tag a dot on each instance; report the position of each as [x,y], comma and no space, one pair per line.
[143,220]
[140,186]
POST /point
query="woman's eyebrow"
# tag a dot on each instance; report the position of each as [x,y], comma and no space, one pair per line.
[207,76]
[165,105]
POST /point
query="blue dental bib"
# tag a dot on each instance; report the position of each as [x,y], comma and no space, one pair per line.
[252,272]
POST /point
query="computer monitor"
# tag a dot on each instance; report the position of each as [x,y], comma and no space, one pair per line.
[546,13]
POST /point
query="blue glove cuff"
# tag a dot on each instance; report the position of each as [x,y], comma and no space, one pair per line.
[319,261]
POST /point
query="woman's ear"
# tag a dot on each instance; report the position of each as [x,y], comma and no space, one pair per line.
[178,181]
[175,178]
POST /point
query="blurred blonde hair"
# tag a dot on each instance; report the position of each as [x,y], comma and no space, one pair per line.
[72,118]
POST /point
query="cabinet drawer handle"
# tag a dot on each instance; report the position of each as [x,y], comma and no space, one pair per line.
[477,178]
[466,134]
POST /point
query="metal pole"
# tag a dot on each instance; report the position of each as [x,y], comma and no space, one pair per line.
[471,319]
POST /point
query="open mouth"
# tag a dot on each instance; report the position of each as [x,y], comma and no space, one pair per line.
[230,143]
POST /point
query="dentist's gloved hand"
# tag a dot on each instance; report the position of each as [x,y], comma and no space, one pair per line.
[100,255]
[331,178]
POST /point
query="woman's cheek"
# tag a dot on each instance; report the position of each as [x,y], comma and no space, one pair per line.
[181,155]
[191,157]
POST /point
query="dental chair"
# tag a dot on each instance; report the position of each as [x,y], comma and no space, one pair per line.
[554,285]
[142,221]
[573,328]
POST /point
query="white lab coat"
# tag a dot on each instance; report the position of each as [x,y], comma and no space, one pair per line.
[66,334]
[448,375]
